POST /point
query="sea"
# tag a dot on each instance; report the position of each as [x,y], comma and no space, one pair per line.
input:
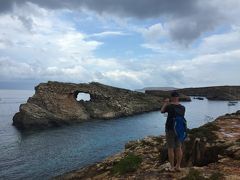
[48,153]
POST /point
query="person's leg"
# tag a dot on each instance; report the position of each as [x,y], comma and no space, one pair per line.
[179,154]
[171,156]
[170,145]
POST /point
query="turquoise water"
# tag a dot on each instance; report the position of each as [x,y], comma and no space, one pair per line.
[43,154]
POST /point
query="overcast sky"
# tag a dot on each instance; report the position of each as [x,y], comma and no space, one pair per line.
[125,43]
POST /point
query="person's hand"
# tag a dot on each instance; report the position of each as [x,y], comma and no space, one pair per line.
[167,100]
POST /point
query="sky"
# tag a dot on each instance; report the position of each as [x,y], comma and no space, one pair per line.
[125,43]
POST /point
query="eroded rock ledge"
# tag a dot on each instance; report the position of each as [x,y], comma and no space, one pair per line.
[54,104]
[212,151]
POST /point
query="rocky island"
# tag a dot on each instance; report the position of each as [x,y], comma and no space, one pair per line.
[211,152]
[56,104]
[226,93]
[166,94]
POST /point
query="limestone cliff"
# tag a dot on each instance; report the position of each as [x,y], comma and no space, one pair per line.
[54,104]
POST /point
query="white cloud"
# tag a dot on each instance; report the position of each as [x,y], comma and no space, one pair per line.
[75,43]
[108,33]
[36,43]
[120,74]
[154,33]
[211,69]
[221,42]
[49,42]
[11,69]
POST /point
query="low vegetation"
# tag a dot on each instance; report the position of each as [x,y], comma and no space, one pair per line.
[196,175]
[128,164]
[193,175]
[216,176]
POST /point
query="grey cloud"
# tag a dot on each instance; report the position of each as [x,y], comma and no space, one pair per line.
[188,18]
[27,22]
[187,29]
[141,8]
[133,8]
[6,5]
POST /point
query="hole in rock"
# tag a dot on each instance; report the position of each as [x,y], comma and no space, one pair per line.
[80,96]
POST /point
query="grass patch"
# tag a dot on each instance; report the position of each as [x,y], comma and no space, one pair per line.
[196,175]
[216,176]
[127,164]
[193,175]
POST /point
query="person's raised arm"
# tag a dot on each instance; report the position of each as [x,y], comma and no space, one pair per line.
[163,108]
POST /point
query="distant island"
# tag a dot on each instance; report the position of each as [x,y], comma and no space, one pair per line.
[225,93]
[156,88]
[166,94]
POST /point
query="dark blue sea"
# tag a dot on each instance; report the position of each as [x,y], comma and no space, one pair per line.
[44,154]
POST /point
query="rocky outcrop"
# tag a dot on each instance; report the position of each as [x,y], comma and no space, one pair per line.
[55,104]
[229,93]
[166,94]
[211,151]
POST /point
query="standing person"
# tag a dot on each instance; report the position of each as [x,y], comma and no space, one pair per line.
[173,108]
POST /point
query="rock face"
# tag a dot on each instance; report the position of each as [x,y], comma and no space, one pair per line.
[166,94]
[228,93]
[211,151]
[55,104]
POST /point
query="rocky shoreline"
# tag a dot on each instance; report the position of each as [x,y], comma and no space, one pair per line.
[211,151]
[55,104]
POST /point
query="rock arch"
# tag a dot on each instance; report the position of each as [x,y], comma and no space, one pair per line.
[82,96]
[55,103]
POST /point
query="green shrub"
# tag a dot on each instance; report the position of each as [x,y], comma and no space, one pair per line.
[216,176]
[194,175]
[128,164]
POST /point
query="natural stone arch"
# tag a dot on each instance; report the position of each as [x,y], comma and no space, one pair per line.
[56,103]
[82,96]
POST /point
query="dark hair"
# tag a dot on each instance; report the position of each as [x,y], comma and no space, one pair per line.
[174,94]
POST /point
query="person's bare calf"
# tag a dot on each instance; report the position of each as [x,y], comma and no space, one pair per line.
[171,157]
[178,157]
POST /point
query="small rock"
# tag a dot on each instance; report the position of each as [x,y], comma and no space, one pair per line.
[164,166]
